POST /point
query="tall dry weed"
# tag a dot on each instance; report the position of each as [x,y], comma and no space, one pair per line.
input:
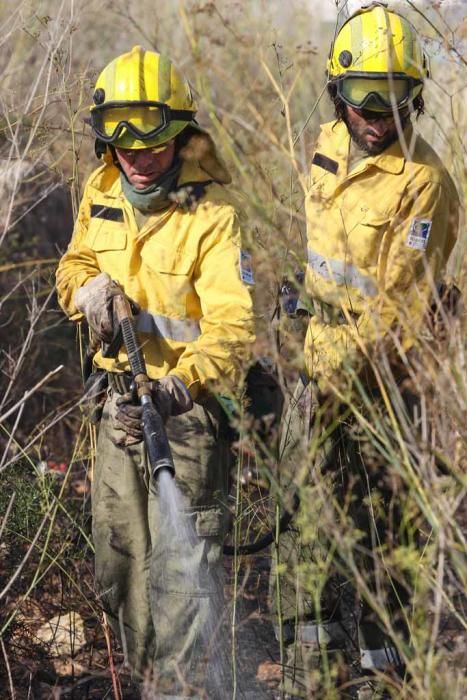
[258,71]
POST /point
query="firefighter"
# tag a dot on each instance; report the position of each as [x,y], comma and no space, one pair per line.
[381,218]
[156,220]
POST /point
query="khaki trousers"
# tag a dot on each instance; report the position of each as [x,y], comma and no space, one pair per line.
[348,515]
[158,615]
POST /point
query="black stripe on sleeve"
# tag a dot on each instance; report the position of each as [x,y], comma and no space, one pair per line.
[325,163]
[99,211]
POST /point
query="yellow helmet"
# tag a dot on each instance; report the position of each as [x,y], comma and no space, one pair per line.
[376,60]
[141,100]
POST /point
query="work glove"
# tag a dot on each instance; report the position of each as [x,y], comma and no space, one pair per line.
[94,300]
[171,398]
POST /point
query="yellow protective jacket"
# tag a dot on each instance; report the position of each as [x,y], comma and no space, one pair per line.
[377,239]
[183,268]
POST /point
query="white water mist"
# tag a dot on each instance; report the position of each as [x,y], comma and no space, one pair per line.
[178,526]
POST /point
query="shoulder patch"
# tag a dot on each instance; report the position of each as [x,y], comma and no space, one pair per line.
[100,211]
[326,163]
[246,267]
[419,233]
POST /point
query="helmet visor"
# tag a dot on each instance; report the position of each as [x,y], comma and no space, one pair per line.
[379,95]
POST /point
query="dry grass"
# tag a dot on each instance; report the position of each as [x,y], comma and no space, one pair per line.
[258,72]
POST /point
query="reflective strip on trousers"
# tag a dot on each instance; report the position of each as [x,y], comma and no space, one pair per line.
[324,634]
[286,631]
[341,273]
[386,657]
[183,331]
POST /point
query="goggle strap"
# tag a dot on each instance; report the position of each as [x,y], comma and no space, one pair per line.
[181,115]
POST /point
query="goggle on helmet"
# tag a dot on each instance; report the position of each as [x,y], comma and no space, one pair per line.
[140,100]
[376,61]
[378,94]
[142,120]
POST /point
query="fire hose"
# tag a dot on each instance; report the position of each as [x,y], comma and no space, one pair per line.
[154,435]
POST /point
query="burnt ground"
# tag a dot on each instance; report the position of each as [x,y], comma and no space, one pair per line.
[69,658]
[38,673]
[257,648]
[32,668]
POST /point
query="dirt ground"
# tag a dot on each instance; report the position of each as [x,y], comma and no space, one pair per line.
[55,646]
[34,667]
[257,648]
[40,675]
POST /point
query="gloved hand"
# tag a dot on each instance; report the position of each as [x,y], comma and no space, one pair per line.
[171,398]
[94,300]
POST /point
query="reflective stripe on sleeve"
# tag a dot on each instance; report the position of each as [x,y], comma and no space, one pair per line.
[387,657]
[341,273]
[182,331]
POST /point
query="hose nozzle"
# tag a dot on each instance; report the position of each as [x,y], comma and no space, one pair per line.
[163,465]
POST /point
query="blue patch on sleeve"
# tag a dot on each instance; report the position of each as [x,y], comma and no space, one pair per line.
[419,233]
[246,267]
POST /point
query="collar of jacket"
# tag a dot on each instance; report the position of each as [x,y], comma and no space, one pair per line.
[392,160]
[200,163]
